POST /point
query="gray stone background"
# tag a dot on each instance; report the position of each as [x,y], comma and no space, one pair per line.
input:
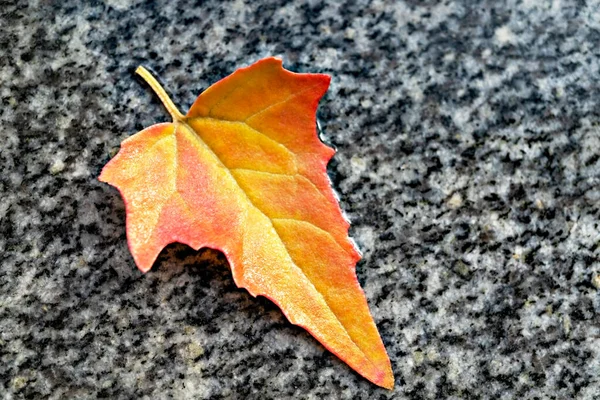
[468,161]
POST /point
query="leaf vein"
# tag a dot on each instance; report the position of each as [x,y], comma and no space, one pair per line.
[222,99]
[292,176]
[313,225]
[290,97]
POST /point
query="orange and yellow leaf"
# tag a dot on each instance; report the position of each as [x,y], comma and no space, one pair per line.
[244,172]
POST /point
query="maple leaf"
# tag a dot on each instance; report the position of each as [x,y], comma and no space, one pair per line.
[244,172]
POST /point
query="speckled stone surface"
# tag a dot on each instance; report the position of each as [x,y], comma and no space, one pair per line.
[468,160]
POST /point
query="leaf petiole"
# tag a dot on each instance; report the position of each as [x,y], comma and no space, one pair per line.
[161,93]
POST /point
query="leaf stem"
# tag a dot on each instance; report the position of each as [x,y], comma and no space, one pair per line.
[161,93]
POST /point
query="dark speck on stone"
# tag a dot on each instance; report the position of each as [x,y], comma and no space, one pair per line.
[468,148]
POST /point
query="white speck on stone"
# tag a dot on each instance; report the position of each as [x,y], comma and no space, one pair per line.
[434,283]
[518,253]
[238,6]
[193,351]
[455,201]
[504,35]
[596,281]
[366,103]
[539,204]
[528,4]
[81,168]
[57,166]
[418,357]
[556,6]
[19,382]
[432,354]
[358,164]
[567,324]
[366,238]
[461,116]
[385,170]
[414,89]
[449,57]
[325,29]
[118,4]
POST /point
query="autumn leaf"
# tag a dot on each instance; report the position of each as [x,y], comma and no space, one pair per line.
[244,172]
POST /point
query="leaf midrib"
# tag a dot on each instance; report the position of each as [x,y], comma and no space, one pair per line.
[184,124]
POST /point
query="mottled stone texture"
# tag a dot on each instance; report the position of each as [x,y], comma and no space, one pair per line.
[468,161]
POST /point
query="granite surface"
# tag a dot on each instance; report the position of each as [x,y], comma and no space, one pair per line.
[468,161]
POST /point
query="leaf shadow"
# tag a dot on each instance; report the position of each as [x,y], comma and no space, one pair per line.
[205,276]
[243,333]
